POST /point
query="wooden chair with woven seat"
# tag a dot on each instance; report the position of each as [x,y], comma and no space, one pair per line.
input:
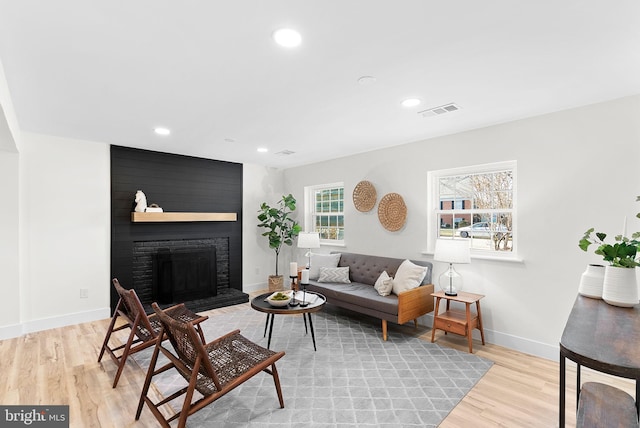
[144,329]
[213,369]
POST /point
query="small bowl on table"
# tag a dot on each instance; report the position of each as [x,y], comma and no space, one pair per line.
[279,299]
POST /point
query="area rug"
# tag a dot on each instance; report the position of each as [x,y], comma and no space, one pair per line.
[353,379]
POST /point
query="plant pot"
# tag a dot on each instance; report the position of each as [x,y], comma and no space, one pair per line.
[591,282]
[276,282]
[620,287]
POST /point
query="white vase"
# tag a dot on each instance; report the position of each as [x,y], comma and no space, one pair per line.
[591,282]
[620,287]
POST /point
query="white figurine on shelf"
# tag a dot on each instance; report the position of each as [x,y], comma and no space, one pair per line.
[141,202]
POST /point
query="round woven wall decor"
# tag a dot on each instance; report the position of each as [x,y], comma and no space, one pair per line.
[364,196]
[392,212]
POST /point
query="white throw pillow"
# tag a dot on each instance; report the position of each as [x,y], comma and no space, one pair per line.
[408,276]
[384,284]
[339,275]
[322,260]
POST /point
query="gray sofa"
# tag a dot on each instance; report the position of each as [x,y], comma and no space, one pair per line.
[360,296]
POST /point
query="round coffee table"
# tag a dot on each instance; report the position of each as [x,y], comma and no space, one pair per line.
[259,304]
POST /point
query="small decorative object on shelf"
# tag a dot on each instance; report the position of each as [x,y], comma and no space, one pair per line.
[141,202]
[154,208]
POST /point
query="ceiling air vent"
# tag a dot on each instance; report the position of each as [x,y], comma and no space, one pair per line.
[437,111]
[285,153]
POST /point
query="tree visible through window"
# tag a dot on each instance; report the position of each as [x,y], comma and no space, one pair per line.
[476,203]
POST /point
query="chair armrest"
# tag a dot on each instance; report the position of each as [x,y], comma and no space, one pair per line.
[414,303]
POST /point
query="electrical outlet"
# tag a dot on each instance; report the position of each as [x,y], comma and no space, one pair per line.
[84,293]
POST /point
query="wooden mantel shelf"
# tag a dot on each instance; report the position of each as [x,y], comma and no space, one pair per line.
[137,217]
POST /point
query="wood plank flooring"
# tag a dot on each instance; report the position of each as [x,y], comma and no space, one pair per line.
[59,366]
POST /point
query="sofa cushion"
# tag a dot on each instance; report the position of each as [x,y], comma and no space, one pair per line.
[322,260]
[384,284]
[408,276]
[338,275]
[357,294]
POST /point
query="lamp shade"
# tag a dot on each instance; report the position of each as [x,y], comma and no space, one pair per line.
[308,240]
[452,251]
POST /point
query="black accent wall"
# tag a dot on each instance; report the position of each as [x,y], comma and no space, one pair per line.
[177,184]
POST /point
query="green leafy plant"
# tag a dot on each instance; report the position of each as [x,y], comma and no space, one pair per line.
[623,253]
[280,227]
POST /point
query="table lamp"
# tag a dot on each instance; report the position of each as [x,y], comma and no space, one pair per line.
[308,240]
[452,251]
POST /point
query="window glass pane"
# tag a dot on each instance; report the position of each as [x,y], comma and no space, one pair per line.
[477,206]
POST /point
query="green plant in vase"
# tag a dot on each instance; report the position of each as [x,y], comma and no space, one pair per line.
[622,253]
[281,229]
[619,285]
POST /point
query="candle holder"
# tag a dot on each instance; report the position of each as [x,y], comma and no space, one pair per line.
[304,302]
[293,301]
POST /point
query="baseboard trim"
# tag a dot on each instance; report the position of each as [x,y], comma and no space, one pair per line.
[17,330]
[520,344]
[10,331]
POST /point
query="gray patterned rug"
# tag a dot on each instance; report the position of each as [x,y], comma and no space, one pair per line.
[354,378]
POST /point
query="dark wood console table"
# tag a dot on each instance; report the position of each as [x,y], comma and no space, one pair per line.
[603,338]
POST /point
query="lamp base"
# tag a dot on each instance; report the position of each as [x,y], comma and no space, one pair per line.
[450,293]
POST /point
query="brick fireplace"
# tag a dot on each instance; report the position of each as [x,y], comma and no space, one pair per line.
[198,263]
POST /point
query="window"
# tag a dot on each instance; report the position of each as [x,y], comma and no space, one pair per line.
[475,203]
[324,212]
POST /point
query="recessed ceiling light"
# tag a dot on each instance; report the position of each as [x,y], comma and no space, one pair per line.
[367,80]
[263,149]
[162,131]
[287,37]
[410,102]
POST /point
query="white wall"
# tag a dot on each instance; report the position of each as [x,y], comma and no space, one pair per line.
[576,169]
[65,231]
[260,184]
[9,243]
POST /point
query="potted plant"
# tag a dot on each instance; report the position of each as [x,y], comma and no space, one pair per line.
[619,286]
[280,230]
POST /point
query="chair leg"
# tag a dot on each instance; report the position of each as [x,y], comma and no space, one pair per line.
[384,330]
[109,331]
[124,356]
[186,405]
[276,380]
[147,380]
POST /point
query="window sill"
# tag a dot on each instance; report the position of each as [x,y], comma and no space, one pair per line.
[510,259]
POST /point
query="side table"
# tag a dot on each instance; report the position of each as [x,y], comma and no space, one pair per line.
[457,321]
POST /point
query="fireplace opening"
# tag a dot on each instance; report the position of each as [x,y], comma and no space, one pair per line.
[198,273]
[184,274]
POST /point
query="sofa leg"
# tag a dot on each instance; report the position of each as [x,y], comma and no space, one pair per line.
[415,322]
[384,330]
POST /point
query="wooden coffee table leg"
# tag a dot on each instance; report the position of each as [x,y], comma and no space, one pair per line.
[306,331]
[266,325]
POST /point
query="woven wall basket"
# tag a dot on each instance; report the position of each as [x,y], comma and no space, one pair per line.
[392,212]
[364,196]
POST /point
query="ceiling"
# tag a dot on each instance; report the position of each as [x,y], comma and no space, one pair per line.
[112,71]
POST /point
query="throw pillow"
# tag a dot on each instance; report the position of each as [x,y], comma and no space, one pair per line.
[338,275]
[408,276]
[322,260]
[384,284]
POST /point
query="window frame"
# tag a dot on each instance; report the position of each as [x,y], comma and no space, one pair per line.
[310,214]
[433,208]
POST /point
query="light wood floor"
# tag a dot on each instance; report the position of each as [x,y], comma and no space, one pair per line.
[59,366]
